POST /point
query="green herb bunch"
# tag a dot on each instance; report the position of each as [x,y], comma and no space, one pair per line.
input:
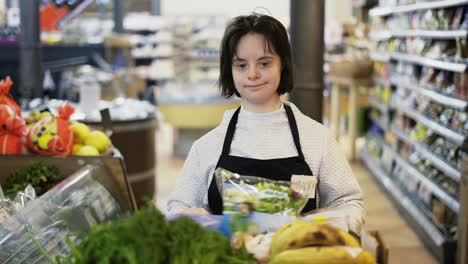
[41,177]
[145,237]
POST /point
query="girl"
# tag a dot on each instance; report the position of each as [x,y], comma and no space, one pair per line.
[265,137]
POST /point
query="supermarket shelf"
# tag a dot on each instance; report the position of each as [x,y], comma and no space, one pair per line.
[385,11]
[434,63]
[438,128]
[154,57]
[443,65]
[434,34]
[383,108]
[383,82]
[438,162]
[383,125]
[443,99]
[448,200]
[402,200]
[379,56]
[380,35]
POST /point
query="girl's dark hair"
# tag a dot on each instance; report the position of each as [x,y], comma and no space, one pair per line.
[276,41]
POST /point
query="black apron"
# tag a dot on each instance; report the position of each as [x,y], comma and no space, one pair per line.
[274,169]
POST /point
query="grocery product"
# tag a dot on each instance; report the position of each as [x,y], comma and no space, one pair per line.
[302,234]
[41,177]
[80,131]
[319,255]
[52,135]
[97,139]
[87,151]
[146,237]
[261,195]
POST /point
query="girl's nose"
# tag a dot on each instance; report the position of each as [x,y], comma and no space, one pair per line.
[253,73]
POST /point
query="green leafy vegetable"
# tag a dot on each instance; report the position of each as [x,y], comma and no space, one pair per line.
[265,197]
[190,243]
[145,237]
[41,177]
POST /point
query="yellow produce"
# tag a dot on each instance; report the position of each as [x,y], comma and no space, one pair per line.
[305,234]
[43,141]
[44,114]
[99,140]
[80,131]
[87,151]
[322,255]
[76,148]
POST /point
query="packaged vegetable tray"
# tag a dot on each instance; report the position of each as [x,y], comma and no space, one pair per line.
[252,195]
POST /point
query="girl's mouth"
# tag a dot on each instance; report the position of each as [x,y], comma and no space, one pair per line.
[255,85]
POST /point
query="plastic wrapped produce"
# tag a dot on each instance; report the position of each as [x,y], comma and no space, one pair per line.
[256,194]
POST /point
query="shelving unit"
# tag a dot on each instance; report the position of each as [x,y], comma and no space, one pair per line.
[386,11]
[438,162]
[400,198]
[403,75]
[379,105]
[440,129]
[438,243]
[443,99]
[433,34]
[439,64]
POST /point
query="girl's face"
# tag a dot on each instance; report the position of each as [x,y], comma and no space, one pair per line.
[256,72]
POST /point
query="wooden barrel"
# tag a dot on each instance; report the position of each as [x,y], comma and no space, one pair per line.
[136,140]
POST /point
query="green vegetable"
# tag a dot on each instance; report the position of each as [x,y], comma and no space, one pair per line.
[191,243]
[286,200]
[41,177]
[137,239]
[145,237]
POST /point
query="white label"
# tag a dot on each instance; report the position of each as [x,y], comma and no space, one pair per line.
[304,184]
[354,252]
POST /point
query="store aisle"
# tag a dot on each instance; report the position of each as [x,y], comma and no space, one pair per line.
[404,245]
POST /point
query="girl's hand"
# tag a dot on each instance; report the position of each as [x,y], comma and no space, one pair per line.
[195,211]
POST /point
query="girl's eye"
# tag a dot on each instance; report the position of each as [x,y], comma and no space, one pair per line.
[241,66]
[264,64]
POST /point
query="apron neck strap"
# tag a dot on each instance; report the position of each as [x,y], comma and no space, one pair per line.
[294,130]
[230,132]
[292,125]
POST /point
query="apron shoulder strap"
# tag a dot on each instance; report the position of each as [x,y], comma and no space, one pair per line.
[294,129]
[230,133]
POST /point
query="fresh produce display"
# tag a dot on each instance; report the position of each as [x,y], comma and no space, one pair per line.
[71,207]
[263,195]
[12,130]
[319,255]
[301,234]
[5,98]
[44,133]
[52,135]
[12,126]
[146,237]
[305,242]
[41,177]
[87,142]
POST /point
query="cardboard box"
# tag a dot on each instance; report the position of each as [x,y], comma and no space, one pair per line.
[382,248]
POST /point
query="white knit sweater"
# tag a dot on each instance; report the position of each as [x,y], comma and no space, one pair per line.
[268,136]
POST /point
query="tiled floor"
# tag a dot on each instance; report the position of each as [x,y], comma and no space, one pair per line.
[404,245]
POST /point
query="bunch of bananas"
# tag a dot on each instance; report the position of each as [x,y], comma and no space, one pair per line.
[309,243]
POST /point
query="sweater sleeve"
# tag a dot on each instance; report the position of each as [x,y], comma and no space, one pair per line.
[338,187]
[190,186]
